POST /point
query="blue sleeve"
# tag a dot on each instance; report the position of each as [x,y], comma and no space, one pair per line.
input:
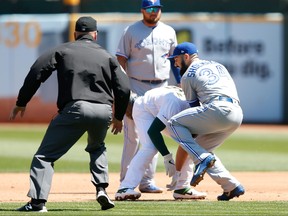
[194,103]
[176,71]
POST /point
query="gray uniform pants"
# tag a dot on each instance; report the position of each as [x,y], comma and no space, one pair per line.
[213,123]
[63,132]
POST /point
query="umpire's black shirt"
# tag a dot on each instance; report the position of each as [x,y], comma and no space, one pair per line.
[85,71]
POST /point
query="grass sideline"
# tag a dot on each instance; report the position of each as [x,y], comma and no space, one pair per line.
[158,208]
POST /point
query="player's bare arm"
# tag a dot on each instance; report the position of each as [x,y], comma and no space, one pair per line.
[181,156]
[123,62]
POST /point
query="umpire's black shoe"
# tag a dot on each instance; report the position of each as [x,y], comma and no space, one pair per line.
[104,200]
[31,207]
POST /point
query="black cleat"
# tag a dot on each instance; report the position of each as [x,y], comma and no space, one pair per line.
[31,207]
[104,201]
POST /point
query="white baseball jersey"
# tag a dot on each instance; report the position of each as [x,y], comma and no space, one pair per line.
[206,80]
[163,103]
[146,49]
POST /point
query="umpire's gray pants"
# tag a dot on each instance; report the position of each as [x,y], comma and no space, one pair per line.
[63,132]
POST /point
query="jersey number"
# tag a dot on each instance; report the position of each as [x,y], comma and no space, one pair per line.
[212,77]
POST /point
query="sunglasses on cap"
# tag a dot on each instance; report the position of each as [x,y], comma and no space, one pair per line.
[152,9]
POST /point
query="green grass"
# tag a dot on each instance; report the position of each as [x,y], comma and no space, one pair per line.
[243,151]
[255,152]
[159,208]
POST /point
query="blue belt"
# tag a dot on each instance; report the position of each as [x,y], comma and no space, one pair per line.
[228,99]
[150,81]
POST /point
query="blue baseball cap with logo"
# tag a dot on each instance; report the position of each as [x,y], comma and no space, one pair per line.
[182,48]
[151,3]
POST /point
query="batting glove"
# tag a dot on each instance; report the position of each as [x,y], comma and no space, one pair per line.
[169,165]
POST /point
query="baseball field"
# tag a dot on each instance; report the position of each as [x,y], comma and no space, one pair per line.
[256,155]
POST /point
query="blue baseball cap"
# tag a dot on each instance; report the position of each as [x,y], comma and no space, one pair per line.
[151,3]
[182,48]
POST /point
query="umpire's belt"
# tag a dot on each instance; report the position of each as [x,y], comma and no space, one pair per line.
[150,81]
[224,98]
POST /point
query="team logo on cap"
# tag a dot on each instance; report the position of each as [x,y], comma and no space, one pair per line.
[152,1]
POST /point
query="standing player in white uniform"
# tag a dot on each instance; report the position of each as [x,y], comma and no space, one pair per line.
[151,113]
[142,52]
[218,116]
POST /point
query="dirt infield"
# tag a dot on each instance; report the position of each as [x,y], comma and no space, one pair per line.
[74,187]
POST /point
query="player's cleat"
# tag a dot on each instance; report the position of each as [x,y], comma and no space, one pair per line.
[188,193]
[127,194]
[151,189]
[236,192]
[104,200]
[201,168]
[31,207]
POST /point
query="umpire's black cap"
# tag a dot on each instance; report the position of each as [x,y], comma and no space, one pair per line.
[86,24]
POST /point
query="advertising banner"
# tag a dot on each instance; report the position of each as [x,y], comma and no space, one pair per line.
[250,46]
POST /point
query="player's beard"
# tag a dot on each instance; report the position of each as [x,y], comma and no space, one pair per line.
[183,68]
[152,20]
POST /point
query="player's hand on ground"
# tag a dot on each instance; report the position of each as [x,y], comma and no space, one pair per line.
[15,111]
[169,165]
[116,126]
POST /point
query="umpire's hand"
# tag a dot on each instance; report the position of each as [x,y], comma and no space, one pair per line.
[15,111]
[116,126]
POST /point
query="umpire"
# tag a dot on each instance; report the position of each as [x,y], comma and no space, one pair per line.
[90,81]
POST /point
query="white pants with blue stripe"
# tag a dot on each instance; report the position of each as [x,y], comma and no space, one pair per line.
[212,123]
